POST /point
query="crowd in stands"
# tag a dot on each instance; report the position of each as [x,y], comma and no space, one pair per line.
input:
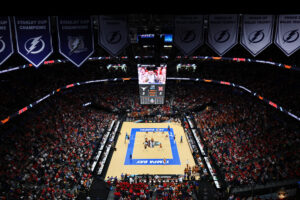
[148,187]
[245,150]
[50,157]
[247,146]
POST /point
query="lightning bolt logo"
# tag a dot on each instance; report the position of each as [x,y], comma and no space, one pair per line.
[34,44]
[74,46]
[188,36]
[2,44]
[222,36]
[114,37]
[291,36]
[256,36]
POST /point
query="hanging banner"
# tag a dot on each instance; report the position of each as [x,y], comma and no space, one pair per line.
[75,38]
[113,34]
[222,32]
[257,33]
[6,44]
[33,38]
[287,34]
[188,33]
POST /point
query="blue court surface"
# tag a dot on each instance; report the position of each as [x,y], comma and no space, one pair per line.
[159,161]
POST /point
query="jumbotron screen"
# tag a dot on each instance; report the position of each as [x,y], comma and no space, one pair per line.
[152,80]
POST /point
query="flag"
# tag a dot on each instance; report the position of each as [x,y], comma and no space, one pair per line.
[222,32]
[75,38]
[33,36]
[188,33]
[257,32]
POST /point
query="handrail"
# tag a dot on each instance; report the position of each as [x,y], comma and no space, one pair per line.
[22,110]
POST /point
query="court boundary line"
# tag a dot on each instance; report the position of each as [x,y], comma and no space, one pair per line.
[175,154]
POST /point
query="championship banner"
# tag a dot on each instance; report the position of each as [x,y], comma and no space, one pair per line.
[113,34]
[75,38]
[257,33]
[188,33]
[222,32]
[33,38]
[287,34]
[6,44]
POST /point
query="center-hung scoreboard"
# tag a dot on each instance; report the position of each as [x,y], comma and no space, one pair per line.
[152,81]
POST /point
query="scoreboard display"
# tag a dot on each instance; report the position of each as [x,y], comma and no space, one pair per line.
[152,81]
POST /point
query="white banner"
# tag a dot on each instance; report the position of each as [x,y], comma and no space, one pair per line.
[257,33]
[287,34]
[113,34]
[188,33]
[222,32]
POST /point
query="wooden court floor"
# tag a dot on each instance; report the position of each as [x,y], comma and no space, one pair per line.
[117,164]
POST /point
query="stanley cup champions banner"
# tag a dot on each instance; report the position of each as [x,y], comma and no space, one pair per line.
[222,32]
[6,45]
[33,38]
[188,33]
[257,32]
[113,34]
[287,33]
[75,38]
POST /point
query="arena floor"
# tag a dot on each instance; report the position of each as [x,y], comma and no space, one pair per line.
[171,158]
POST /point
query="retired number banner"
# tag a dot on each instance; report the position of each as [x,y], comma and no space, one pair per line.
[287,34]
[33,38]
[257,32]
[6,45]
[75,38]
[188,33]
[222,32]
[113,34]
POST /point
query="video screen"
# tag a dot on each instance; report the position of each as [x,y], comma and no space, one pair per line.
[168,38]
[151,74]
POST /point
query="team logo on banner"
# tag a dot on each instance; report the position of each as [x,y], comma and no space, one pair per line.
[76,45]
[287,34]
[6,45]
[33,37]
[187,36]
[188,33]
[257,33]
[113,34]
[113,37]
[222,36]
[75,38]
[222,32]
[34,45]
[256,36]
[291,36]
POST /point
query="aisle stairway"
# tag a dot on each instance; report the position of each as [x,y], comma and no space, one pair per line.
[207,191]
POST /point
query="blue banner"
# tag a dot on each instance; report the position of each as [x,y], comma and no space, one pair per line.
[113,34]
[33,38]
[75,38]
[6,45]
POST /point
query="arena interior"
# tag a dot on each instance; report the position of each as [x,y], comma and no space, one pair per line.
[174,112]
